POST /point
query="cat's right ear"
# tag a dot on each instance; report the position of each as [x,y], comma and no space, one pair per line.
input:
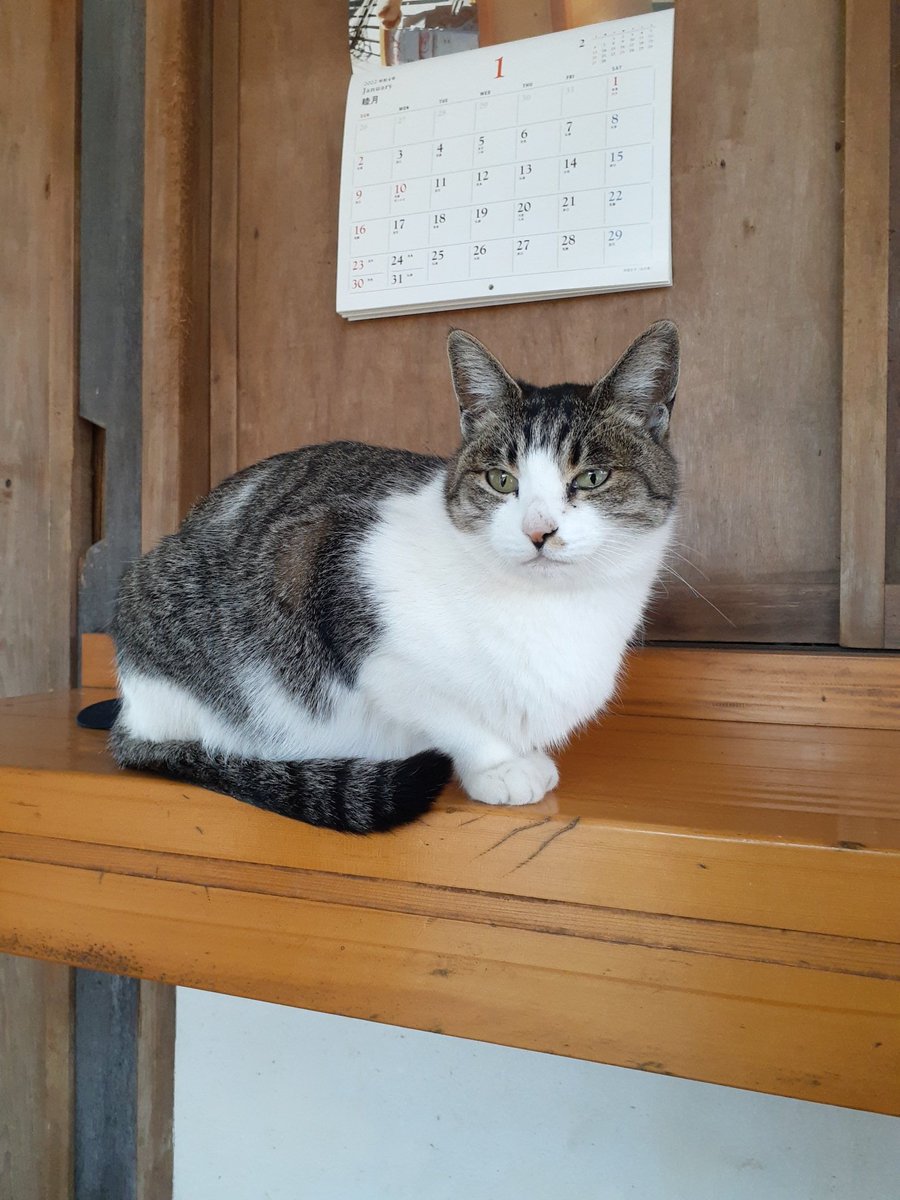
[481,383]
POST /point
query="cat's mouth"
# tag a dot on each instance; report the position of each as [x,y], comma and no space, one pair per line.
[542,561]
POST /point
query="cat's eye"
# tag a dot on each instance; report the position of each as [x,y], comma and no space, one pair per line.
[502,481]
[593,477]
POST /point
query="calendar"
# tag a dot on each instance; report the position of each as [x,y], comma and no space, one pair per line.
[522,171]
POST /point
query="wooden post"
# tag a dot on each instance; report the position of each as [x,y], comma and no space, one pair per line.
[866,246]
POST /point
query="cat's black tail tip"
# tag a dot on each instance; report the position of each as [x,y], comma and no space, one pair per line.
[416,785]
[101,715]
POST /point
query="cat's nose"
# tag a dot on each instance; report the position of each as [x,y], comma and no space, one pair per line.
[538,537]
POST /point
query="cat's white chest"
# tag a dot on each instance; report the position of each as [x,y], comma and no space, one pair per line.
[544,664]
[529,663]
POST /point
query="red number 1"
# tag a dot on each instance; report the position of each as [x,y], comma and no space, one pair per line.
[499,62]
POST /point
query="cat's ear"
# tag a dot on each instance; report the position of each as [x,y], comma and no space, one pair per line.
[481,383]
[643,382]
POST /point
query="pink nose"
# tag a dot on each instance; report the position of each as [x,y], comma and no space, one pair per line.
[539,536]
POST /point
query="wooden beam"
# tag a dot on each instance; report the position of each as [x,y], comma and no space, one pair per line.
[892,571]
[175,381]
[853,691]
[223,267]
[69,446]
[732,877]
[36,1079]
[155,1089]
[42,526]
[866,254]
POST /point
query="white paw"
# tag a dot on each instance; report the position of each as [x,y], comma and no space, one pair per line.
[516,781]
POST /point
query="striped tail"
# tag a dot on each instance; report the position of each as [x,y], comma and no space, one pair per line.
[355,795]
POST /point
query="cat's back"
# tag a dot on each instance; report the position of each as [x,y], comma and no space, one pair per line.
[264,538]
[300,482]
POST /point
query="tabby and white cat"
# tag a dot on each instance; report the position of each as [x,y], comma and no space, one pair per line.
[334,630]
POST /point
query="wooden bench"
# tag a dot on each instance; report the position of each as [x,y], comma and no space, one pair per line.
[713,892]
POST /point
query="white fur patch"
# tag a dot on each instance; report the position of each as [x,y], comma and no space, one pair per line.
[488,652]
[488,661]
[232,505]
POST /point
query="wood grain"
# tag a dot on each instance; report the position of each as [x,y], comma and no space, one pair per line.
[866,251]
[70,487]
[155,1090]
[732,876]
[854,691]
[892,513]
[44,513]
[758,415]
[892,616]
[175,382]
[42,466]
[98,661]
[815,1034]
[36,1081]
[223,264]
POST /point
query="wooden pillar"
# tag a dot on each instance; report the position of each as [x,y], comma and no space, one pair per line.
[865,373]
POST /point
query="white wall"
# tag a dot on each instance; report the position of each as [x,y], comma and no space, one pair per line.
[274,1103]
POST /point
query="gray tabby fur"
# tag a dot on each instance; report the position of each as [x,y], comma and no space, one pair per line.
[266,566]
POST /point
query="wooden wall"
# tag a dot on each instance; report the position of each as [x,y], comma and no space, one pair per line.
[757,221]
[44,524]
[44,505]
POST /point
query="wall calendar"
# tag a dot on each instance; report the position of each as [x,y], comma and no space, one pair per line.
[533,169]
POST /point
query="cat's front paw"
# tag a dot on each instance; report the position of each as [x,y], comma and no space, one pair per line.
[516,781]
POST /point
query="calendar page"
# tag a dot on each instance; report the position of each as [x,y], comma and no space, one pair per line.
[514,172]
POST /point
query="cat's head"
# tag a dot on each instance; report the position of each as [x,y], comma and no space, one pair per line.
[553,479]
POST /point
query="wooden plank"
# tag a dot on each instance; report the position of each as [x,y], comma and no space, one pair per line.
[787,821]
[42,515]
[223,267]
[892,616]
[98,661]
[155,1089]
[706,837]
[732,876]
[36,1081]
[813,1034]
[892,513]
[748,197]
[849,690]
[41,460]
[69,482]
[866,957]
[800,613]
[866,250]
[175,378]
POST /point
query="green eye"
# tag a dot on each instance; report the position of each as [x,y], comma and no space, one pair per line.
[591,478]
[502,481]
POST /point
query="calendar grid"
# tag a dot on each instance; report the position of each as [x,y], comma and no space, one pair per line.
[455,193]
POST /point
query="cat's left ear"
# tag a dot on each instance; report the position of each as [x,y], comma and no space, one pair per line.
[643,382]
[481,383]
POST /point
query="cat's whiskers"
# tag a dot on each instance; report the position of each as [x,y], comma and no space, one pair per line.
[698,594]
[691,564]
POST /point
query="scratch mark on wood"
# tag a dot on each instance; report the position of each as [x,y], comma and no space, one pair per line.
[543,846]
[512,833]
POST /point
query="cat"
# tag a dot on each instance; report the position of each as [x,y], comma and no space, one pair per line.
[335,630]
